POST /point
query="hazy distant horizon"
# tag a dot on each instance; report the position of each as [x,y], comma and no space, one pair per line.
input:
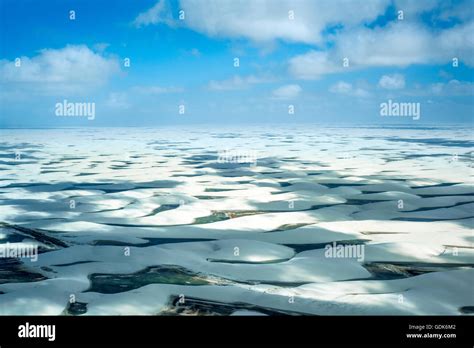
[256,124]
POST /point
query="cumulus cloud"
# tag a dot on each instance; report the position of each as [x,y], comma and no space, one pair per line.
[267,20]
[287,92]
[411,8]
[314,64]
[159,13]
[341,87]
[53,71]
[398,44]
[346,88]
[395,81]
[395,45]
[445,10]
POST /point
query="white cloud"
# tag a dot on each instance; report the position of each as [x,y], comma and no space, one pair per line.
[346,88]
[453,88]
[445,10]
[67,70]
[400,43]
[411,8]
[395,81]
[236,83]
[287,92]
[159,13]
[313,65]
[267,20]
[341,87]
[396,45]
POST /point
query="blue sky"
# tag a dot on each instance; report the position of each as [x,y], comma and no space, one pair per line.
[290,53]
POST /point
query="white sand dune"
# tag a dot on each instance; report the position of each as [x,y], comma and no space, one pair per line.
[127,221]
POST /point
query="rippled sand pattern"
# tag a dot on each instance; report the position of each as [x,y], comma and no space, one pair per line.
[152,221]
